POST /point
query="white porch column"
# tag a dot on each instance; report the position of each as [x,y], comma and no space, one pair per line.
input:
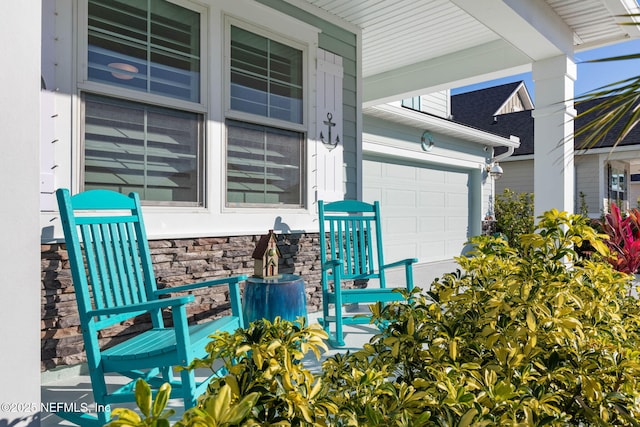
[553,181]
[20,213]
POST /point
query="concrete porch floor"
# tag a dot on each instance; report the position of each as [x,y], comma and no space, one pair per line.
[73,387]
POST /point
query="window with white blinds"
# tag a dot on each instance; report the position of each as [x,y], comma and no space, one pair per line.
[150,46]
[155,151]
[265,158]
[264,165]
[266,77]
[147,45]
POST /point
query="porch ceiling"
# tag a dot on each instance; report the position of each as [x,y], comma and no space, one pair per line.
[413,47]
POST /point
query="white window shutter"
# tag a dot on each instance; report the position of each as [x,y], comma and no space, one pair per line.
[329,117]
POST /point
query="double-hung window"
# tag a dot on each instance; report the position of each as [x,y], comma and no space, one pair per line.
[265,120]
[143,116]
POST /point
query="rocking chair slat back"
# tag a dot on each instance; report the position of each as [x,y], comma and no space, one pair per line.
[115,268]
[351,255]
[114,281]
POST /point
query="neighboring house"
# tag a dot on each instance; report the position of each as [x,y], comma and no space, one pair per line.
[232,117]
[602,173]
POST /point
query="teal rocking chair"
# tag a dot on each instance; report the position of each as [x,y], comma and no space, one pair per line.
[114,281]
[351,251]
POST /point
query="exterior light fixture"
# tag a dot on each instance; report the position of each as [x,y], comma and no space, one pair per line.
[495,171]
[426,140]
[123,71]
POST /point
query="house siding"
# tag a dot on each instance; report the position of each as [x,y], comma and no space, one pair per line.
[437,103]
[587,184]
[518,177]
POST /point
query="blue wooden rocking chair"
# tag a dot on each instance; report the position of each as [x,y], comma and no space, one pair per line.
[351,250]
[114,281]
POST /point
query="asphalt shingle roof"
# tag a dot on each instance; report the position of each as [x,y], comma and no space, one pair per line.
[477,109]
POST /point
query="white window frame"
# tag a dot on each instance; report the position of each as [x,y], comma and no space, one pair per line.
[308,47]
[255,118]
[84,85]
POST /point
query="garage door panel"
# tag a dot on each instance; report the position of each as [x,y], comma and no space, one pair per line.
[429,199]
[429,224]
[432,250]
[425,210]
[401,198]
[432,176]
[400,172]
[457,201]
[399,225]
[453,224]
[397,251]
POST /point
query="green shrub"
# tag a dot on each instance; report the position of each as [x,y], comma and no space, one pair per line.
[518,337]
[266,382]
[541,337]
[514,215]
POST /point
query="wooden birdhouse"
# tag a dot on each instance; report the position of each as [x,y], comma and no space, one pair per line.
[266,256]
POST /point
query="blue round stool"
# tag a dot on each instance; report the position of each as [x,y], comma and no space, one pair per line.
[266,298]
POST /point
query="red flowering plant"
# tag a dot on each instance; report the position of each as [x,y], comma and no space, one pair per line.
[624,239]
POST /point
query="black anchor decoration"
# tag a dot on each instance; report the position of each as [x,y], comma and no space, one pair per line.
[329,144]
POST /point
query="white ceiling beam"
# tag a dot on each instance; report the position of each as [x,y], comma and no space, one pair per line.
[531,26]
[489,61]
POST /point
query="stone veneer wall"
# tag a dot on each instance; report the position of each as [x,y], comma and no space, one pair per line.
[176,262]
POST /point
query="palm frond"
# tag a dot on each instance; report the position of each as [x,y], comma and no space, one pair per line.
[611,111]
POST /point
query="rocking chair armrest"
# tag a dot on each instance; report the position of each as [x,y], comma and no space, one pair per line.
[143,306]
[332,264]
[207,283]
[406,262]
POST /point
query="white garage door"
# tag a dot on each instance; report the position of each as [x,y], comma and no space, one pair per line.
[425,210]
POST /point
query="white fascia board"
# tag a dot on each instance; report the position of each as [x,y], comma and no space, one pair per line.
[617,152]
[387,151]
[622,152]
[531,26]
[489,61]
[417,119]
[517,158]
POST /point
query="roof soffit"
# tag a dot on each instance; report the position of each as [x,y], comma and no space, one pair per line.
[410,48]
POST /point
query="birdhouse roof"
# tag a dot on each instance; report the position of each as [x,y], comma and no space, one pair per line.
[263,245]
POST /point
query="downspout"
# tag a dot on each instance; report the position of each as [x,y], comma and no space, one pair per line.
[495,172]
[493,168]
[504,155]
